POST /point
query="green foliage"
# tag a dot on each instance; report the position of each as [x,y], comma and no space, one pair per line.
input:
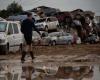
[4,13]
[12,9]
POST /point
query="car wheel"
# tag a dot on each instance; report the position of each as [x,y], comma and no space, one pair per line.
[6,50]
[53,43]
[46,28]
[50,44]
[92,42]
[69,42]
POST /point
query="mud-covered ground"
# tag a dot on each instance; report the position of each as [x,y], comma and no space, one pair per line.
[68,50]
[81,50]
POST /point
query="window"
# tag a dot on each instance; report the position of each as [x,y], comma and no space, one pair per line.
[3,26]
[15,28]
[10,29]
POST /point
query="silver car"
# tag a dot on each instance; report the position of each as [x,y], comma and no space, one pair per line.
[54,38]
[57,38]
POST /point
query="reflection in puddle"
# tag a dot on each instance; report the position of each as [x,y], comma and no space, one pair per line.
[8,72]
[96,73]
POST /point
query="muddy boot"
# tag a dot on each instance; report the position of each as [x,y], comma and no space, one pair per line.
[32,55]
[23,56]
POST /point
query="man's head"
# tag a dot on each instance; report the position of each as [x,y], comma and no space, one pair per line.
[29,15]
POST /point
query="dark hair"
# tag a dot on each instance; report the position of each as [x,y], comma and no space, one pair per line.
[29,14]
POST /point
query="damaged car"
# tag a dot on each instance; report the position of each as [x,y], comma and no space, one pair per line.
[92,38]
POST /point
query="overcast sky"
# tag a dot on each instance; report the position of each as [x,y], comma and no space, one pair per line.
[63,5]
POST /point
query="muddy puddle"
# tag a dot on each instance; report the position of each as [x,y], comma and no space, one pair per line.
[14,70]
[59,67]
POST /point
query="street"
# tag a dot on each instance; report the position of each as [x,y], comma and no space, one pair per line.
[60,54]
[59,50]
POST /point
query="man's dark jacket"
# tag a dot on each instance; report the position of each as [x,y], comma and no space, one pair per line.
[28,26]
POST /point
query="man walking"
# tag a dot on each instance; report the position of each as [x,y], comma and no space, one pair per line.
[27,28]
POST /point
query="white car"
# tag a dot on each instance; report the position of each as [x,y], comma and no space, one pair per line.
[1,19]
[48,23]
[11,38]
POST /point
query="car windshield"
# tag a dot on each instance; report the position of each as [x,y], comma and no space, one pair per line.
[41,20]
[3,26]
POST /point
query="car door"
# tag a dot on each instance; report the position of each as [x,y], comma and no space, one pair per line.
[52,23]
[17,36]
[10,35]
[48,21]
[68,38]
[65,38]
[60,39]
